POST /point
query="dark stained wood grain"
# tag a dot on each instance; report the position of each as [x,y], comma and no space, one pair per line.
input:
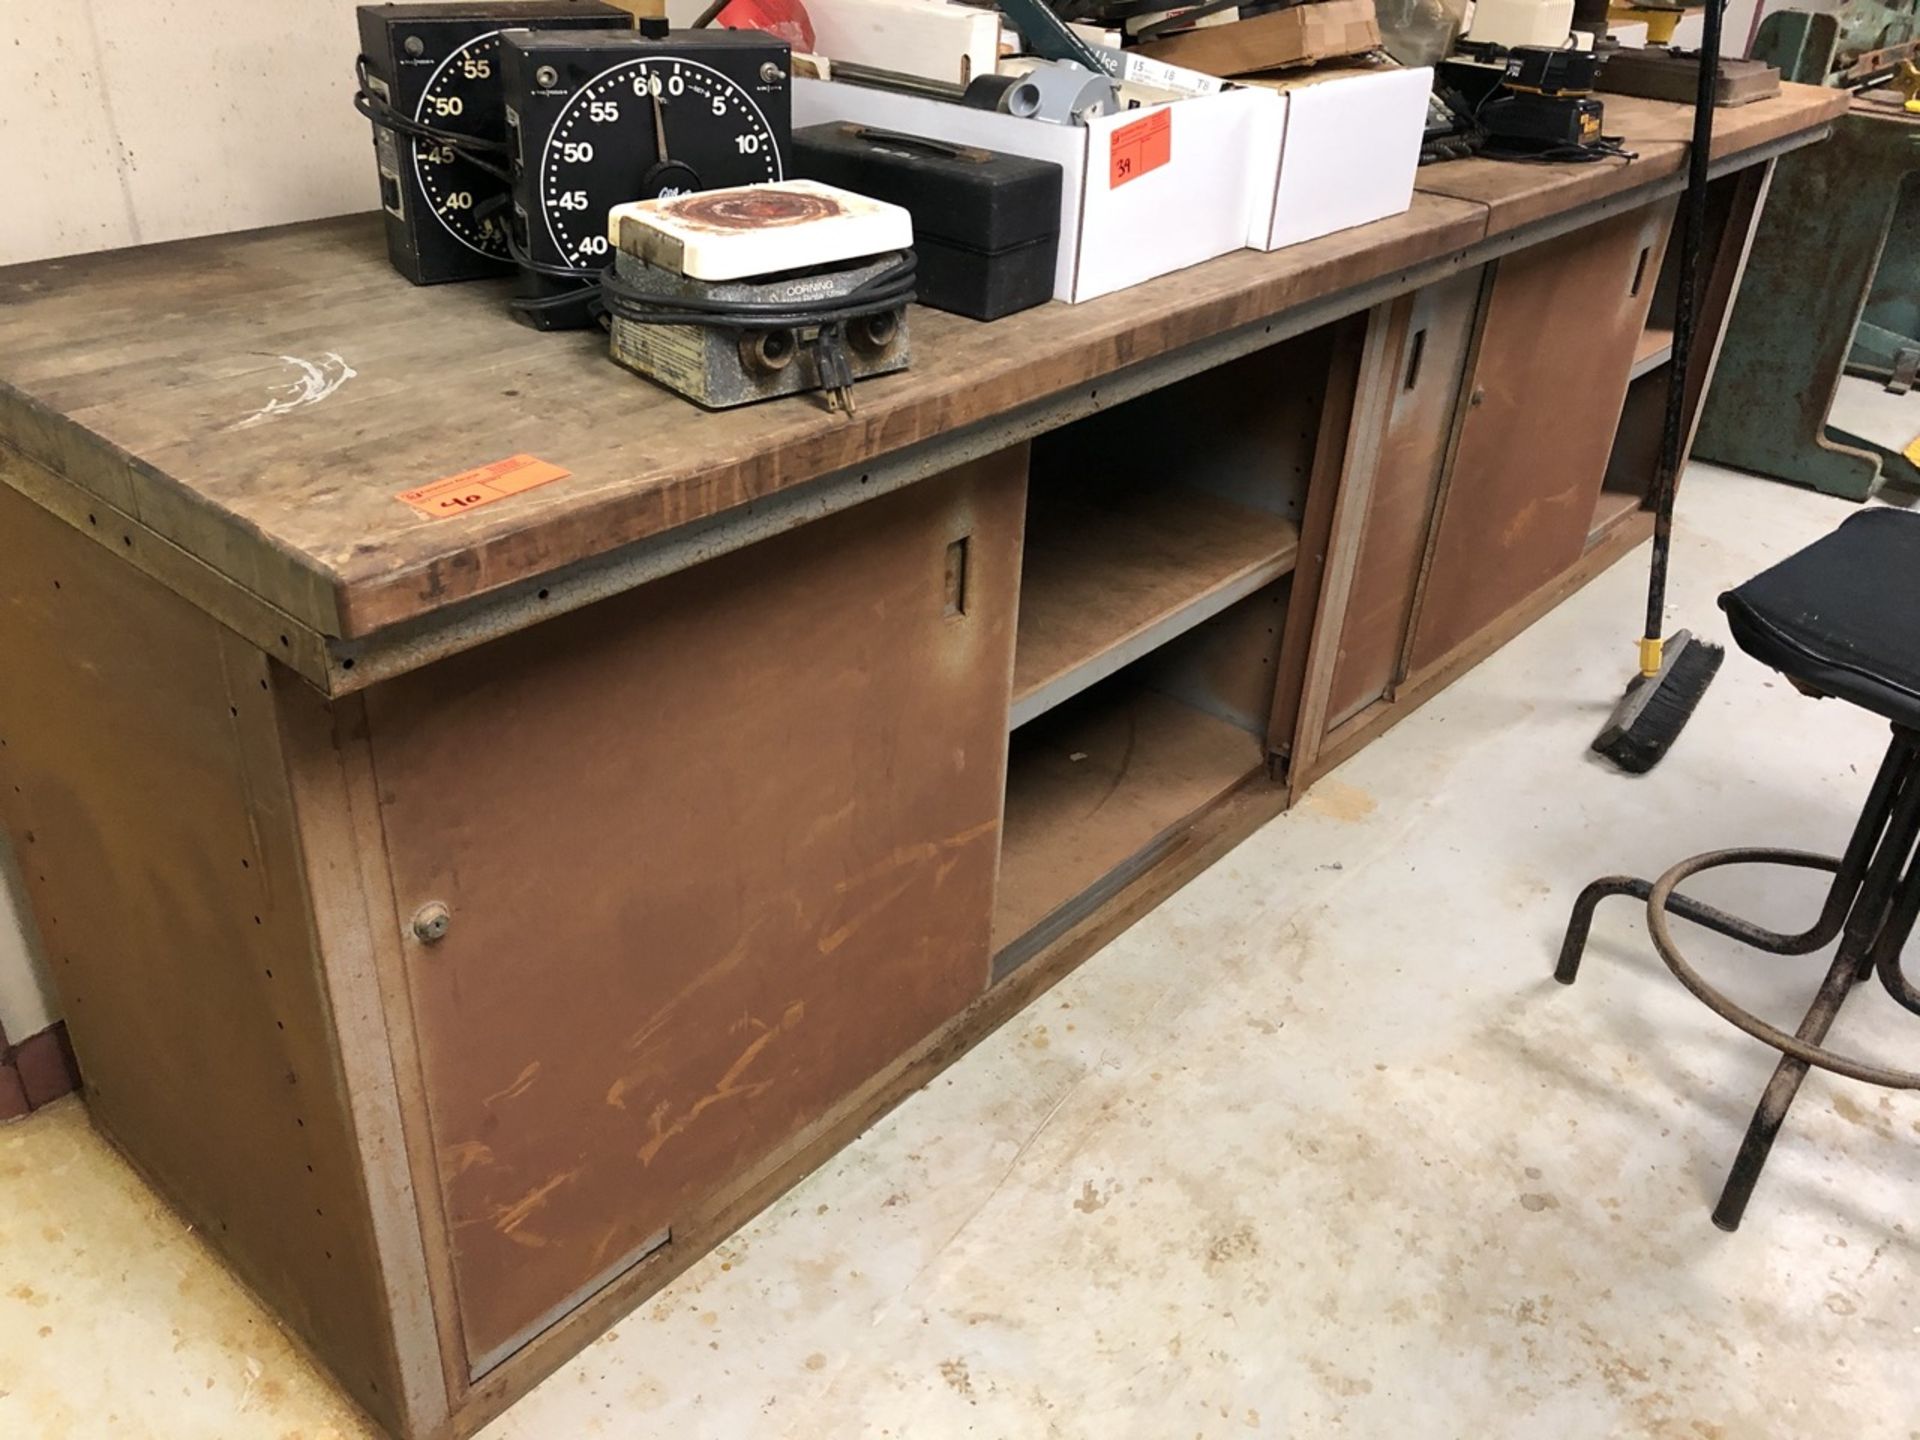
[716,852]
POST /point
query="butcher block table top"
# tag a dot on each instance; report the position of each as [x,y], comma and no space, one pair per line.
[241,414]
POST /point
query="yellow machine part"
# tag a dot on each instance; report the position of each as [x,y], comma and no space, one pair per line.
[1907,81]
[1661,20]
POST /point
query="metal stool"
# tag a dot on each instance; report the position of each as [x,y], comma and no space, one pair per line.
[1842,619]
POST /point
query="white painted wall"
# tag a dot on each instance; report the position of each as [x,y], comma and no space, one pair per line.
[129,121]
[26,1000]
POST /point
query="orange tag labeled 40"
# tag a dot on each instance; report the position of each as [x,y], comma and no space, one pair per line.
[1140,148]
[471,489]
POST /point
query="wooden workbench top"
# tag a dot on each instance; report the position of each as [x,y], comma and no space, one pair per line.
[255,402]
[1655,131]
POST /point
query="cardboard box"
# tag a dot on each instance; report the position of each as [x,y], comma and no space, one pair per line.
[948,43]
[1300,35]
[1347,153]
[1143,193]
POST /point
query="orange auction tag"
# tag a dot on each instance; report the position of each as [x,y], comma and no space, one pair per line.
[1140,148]
[471,489]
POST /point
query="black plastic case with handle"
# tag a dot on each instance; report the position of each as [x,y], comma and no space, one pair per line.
[986,226]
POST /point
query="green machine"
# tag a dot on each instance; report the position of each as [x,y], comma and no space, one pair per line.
[1833,279]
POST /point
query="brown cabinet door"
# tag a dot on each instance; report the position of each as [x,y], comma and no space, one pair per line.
[716,851]
[1555,352]
[1428,337]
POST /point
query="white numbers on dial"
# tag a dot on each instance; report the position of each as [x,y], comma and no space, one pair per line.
[603,145]
[644,85]
[459,96]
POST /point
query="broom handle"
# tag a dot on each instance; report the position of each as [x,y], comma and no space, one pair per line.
[1693,224]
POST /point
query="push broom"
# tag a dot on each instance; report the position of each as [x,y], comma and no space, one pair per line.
[1674,673]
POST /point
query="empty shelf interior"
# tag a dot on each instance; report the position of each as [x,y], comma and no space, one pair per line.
[1654,350]
[1636,452]
[1609,510]
[1109,576]
[1094,789]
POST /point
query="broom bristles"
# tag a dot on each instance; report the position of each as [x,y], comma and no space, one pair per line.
[1653,712]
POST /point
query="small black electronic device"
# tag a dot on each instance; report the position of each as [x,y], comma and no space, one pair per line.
[986,226]
[598,119]
[1541,70]
[1529,103]
[430,82]
[1548,123]
[1545,102]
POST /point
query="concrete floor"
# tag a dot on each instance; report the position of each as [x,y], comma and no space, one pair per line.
[1317,1148]
[1868,409]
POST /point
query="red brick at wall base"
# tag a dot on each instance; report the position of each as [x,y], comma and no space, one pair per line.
[40,1068]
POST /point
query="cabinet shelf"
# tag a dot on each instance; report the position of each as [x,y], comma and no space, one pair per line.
[1654,350]
[1107,579]
[1094,789]
[1609,510]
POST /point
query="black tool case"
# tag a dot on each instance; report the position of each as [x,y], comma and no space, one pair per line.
[986,226]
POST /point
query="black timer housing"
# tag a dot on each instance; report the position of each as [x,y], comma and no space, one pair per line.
[596,119]
[439,65]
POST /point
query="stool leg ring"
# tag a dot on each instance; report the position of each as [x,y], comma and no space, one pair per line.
[1872,905]
[1799,1046]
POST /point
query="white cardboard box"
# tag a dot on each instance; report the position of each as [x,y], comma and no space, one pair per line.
[950,43]
[1346,152]
[1143,193]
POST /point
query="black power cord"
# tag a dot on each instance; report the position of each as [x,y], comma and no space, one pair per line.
[482,153]
[585,284]
[826,318]
[1607,147]
[889,290]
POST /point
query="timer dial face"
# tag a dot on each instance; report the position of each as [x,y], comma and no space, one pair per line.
[606,148]
[463,95]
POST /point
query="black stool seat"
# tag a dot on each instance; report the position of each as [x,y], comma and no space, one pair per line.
[1842,617]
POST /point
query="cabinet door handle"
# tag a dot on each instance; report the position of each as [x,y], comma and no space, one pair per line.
[1477,397]
[956,576]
